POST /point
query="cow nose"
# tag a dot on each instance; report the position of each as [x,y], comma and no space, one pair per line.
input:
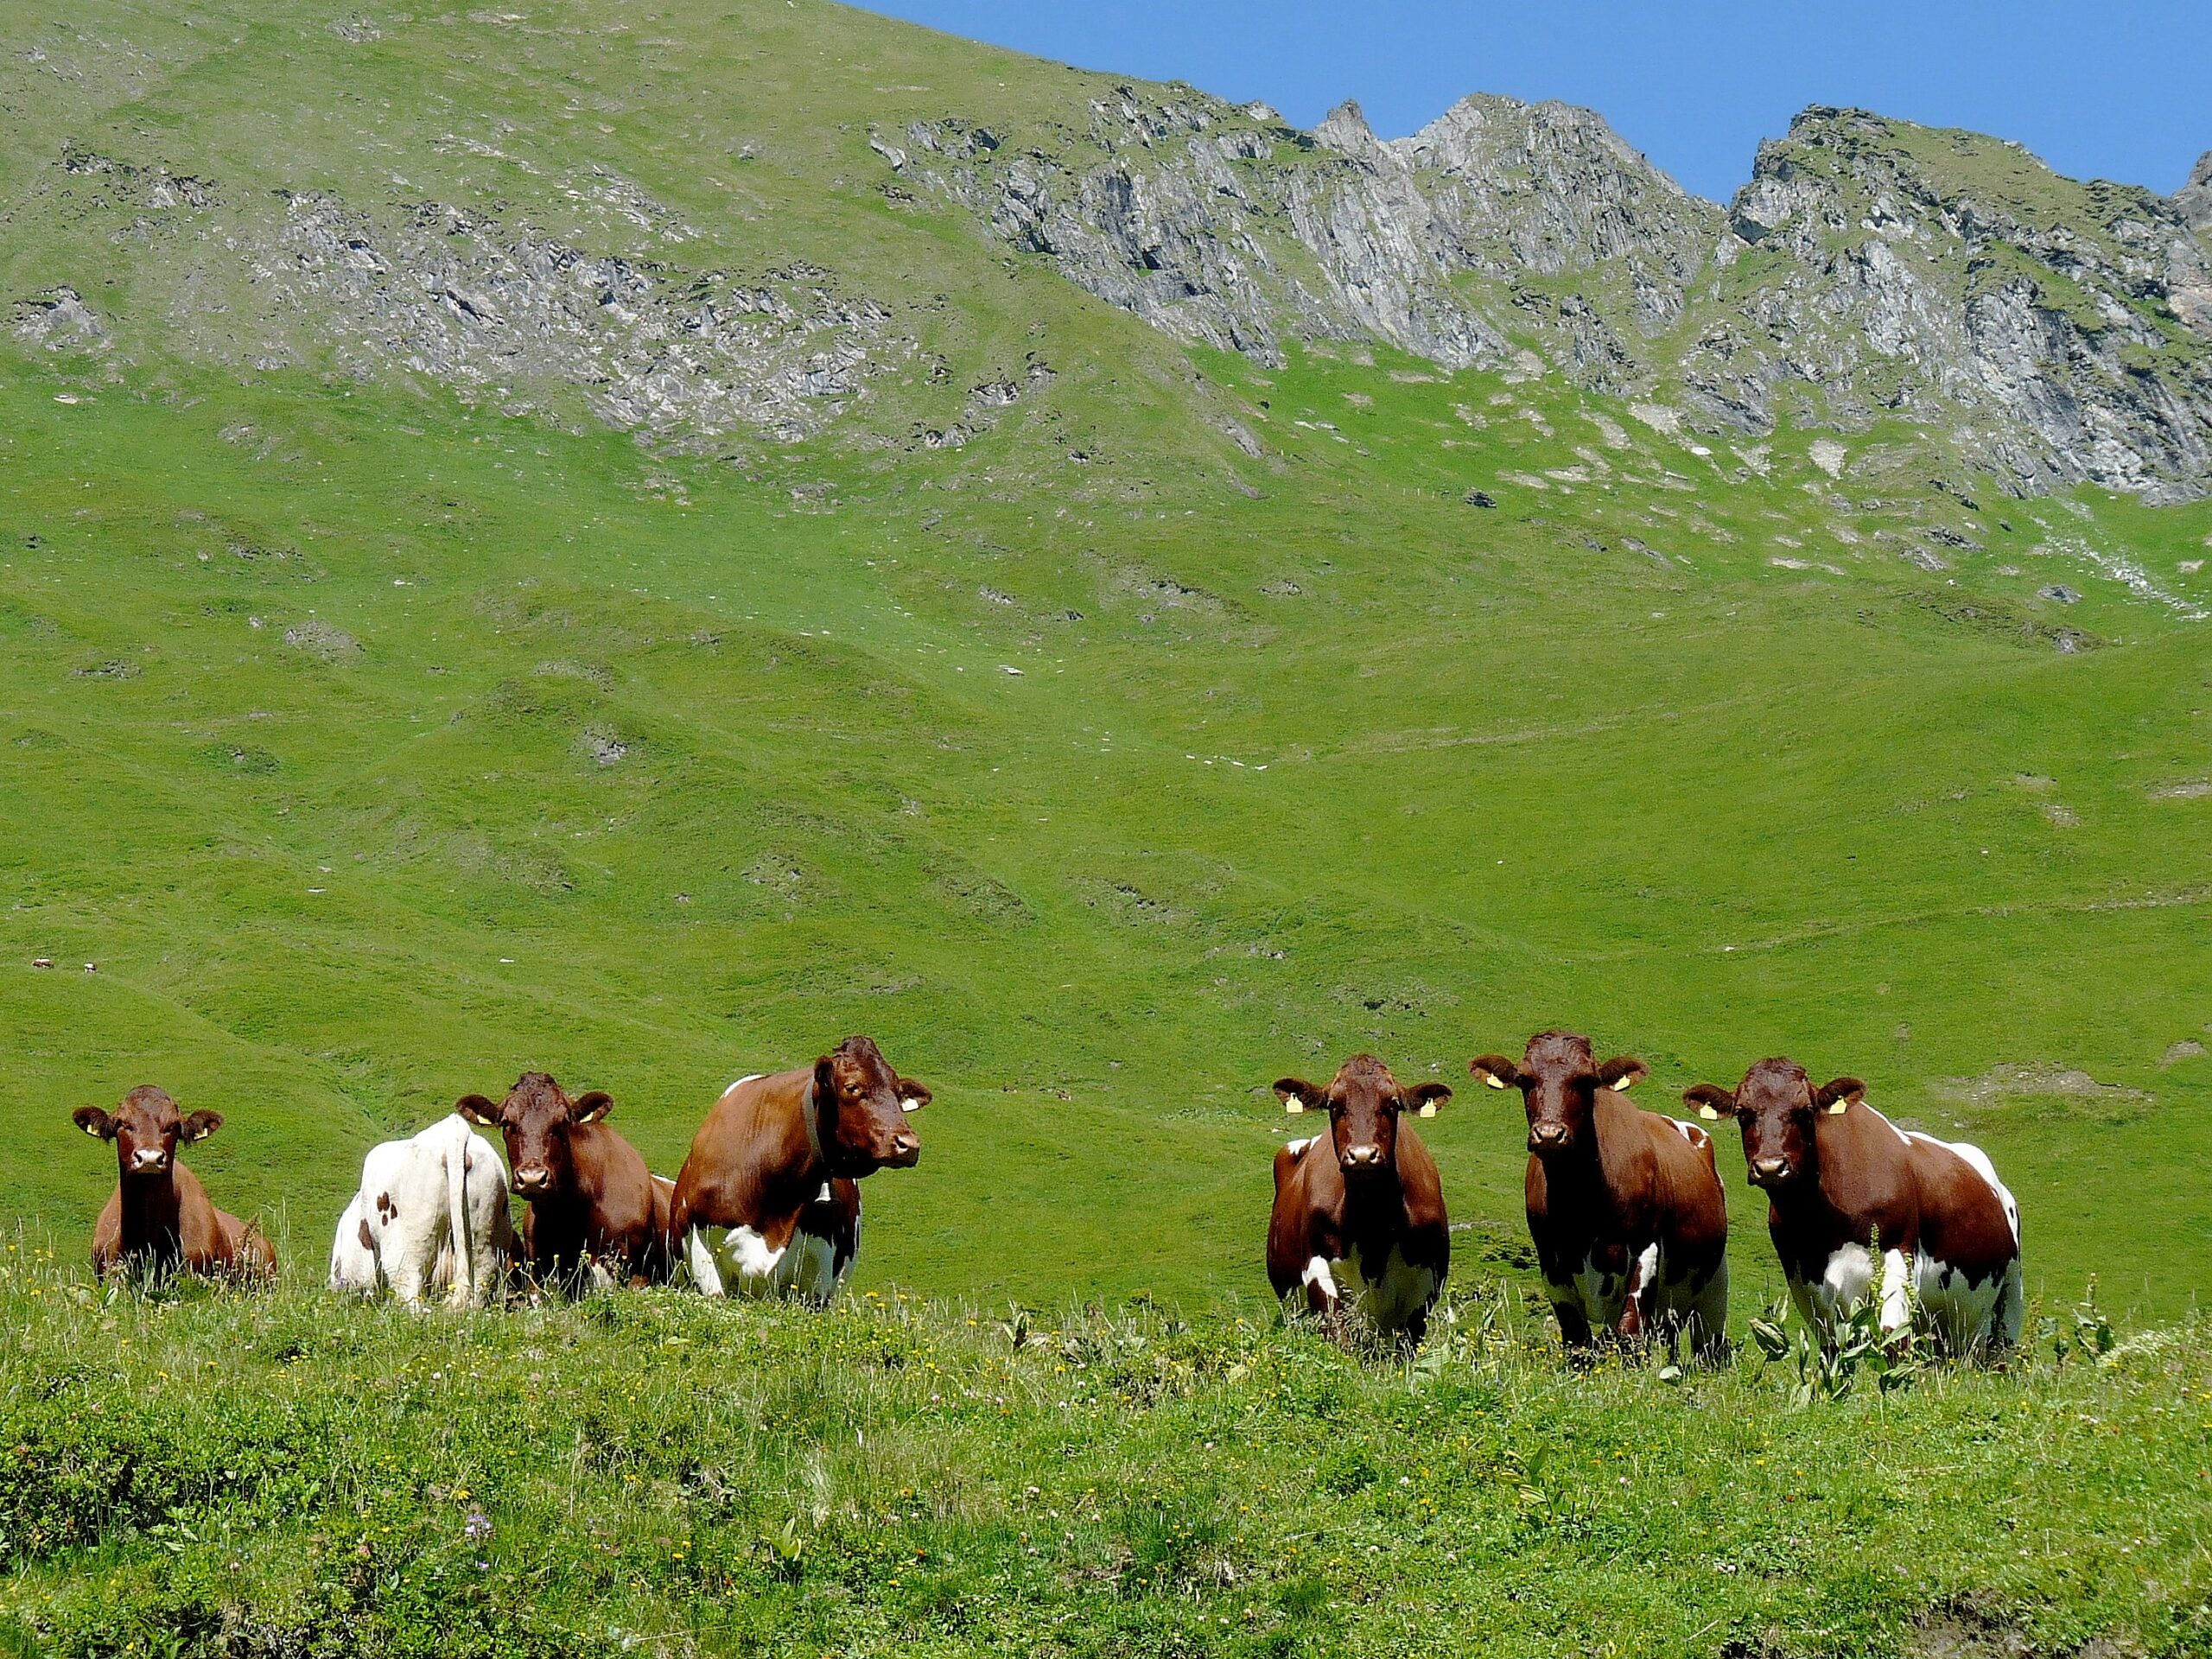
[532,1178]
[907,1150]
[1366,1154]
[1545,1136]
[1766,1170]
[153,1160]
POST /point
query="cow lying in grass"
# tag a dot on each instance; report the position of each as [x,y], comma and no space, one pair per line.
[431,1215]
[1359,1215]
[160,1217]
[1625,1206]
[1841,1181]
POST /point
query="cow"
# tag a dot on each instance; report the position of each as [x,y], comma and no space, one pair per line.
[768,1202]
[431,1215]
[160,1217]
[1359,1218]
[1842,1181]
[597,1215]
[1625,1206]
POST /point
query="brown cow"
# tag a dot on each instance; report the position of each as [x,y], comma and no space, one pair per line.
[768,1203]
[1626,1208]
[160,1217]
[595,1210]
[1838,1175]
[1359,1211]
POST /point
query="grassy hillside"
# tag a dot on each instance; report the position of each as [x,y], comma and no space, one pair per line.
[378,735]
[894,1478]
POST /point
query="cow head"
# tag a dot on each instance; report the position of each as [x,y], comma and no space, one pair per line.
[1558,1078]
[147,1130]
[1776,1106]
[860,1107]
[1363,1104]
[537,1119]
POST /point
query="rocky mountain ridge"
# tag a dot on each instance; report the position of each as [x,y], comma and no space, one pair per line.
[857,259]
[2060,332]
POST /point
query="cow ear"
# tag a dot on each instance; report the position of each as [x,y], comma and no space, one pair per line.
[912,1095]
[825,1079]
[1297,1095]
[94,1121]
[1496,1070]
[1623,1072]
[1839,1096]
[198,1126]
[592,1107]
[1711,1101]
[1432,1095]
[478,1110]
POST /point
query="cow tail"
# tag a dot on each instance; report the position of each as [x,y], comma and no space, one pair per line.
[457,1239]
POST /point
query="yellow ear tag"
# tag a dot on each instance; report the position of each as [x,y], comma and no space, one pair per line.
[1624,1085]
[1427,1108]
[1293,1105]
[1838,1109]
[1708,1114]
[1494,1081]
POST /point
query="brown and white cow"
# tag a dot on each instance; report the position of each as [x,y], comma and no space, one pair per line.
[1625,1206]
[768,1203]
[160,1217]
[1360,1216]
[1838,1175]
[595,1210]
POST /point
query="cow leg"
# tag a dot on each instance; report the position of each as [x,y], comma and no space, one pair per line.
[1573,1324]
[1320,1284]
[2012,1310]
[1636,1305]
[706,1272]
[409,1266]
[1894,1287]
[1708,1320]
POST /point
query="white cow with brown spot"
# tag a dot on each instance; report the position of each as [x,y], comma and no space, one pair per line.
[431,1217]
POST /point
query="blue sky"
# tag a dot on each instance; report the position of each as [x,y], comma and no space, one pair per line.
[2119,91]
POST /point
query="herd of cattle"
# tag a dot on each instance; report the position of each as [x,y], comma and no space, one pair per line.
[1625,1207]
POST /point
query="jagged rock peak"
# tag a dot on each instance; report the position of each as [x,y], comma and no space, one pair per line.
[1345,129]
[1481,120]
[2195,198]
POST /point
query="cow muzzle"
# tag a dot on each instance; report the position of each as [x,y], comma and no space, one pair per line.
[1369,1156]
[533,1180]
[1548,1137]
[905,1151]
[1770,1171]
[149,1163]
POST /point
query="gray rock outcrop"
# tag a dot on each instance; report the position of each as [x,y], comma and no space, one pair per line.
[2194,200]
[2055,331]
[468,301]
[1223,226]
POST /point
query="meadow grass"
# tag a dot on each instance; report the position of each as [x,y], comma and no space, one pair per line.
[197,1470]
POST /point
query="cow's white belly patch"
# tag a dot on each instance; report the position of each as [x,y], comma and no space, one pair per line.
[1967,1315]
[1602,1296]
[1845,1280]
[738,1261]
[1396,1295]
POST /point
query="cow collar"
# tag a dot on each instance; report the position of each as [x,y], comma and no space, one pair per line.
[811,1116]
